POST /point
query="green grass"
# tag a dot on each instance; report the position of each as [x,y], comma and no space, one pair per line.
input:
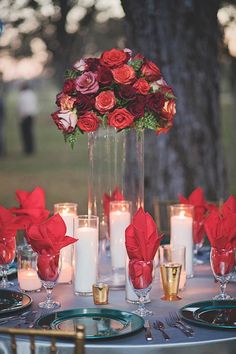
[59,170]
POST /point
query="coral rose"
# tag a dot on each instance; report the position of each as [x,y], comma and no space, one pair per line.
[150,71]
[169,110]
[114,58]
[65,120]
[88,122]
[87,83]
[120,118]
[142,86]
[66,102]
[105,101]
[124,75]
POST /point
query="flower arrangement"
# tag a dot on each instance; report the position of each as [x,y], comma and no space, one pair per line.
[120,89]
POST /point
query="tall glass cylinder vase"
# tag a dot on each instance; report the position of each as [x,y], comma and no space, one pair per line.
[116,172]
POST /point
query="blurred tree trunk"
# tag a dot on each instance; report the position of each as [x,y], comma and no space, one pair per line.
[182,38]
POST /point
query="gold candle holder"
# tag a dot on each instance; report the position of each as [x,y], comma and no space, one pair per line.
[100,294]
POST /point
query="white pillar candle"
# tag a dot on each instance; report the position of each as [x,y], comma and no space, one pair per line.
[119,220]
[86,257]
[68,212]
[28,279]
[181,232]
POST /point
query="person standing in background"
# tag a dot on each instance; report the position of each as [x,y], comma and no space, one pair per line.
[28,109]
[2,118]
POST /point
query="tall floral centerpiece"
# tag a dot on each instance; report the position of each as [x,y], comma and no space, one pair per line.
[114,98]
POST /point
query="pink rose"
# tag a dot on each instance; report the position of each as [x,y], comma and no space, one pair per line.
[79,65]
[87,83]
[65,120]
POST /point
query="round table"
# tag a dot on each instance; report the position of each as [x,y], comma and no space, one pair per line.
[205,341]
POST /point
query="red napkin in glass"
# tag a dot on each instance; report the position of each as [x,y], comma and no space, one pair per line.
[141,237]
[48,267]
[140,273]
[48,237]
[229,206]
[142,241]
[8,228]
[221,229]
[197,199]
[116,195]
[32,207]
[223,262]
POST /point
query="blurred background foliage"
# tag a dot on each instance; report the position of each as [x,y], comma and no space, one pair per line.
[39,41]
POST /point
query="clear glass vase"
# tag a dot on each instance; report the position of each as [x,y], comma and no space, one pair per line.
[116,172]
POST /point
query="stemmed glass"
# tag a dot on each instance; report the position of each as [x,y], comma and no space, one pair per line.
[49,266]
[7,255]
[222,265]
[141,275]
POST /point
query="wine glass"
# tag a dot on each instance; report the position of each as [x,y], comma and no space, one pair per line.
[222,265]
[7,255]
[49,266]
[141,275]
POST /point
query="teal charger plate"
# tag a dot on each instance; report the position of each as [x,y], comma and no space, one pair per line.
[212,313]
[100,323]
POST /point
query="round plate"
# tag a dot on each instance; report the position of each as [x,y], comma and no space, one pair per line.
[212,313]
[11,301]
[100,323]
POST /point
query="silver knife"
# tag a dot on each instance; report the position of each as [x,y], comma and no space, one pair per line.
[148,333]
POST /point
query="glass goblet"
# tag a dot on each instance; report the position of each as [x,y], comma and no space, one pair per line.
[222,265]
[141,275]
[48,271]
[7,255]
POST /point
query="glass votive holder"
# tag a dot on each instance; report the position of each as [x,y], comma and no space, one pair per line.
[100,294]
[181,231]
[68,212]
[28,279]
[86,255]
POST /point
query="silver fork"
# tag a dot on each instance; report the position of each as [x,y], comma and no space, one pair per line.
[148,333]
[175,324]
[158,325]
[175,317]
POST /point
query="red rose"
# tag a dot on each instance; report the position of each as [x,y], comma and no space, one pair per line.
[104,76]
[169,110]
[150,71]
[124,75]
[69,86]
[84,103]
[88,122]
[92,64]
[105,101]
[142,86]
[167,90]
[120,118]
[156,102]
[127,92]
[113,58]
[136,108]
[161,130]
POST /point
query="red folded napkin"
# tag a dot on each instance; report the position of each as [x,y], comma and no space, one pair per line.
[142,241]
[48,237]
[48,267]
[32,207]
[116,195]
[197,199]
[140,273]
[220,227]
[223,262]
[229,206]
[141,237]
[8,223]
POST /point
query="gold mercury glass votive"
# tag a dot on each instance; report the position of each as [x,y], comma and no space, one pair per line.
[100,294]
[170,274]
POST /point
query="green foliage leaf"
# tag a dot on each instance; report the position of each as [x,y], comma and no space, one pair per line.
[136,64]
[72,138]
[71,74]
[148,121]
